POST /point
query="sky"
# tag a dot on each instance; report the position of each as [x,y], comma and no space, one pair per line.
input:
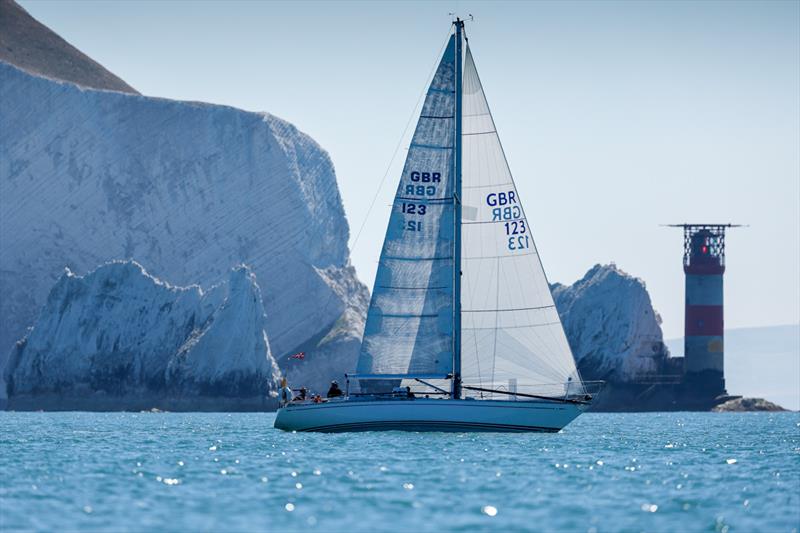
[616,117]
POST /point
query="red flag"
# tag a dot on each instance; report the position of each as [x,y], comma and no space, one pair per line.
[299,355]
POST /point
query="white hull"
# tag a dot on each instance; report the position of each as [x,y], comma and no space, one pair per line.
[422,414]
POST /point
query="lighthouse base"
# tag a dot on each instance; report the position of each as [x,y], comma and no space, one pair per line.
[693,391]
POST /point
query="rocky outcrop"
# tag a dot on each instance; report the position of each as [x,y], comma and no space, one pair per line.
[118,338]
[613,330]
[739,405]
[330,355]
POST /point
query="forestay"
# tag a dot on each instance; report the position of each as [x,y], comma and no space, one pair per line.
[410,320]
[512,337]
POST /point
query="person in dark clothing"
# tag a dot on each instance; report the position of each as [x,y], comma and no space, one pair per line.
[409,393]
[334,391]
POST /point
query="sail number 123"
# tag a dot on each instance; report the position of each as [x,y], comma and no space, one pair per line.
[518,238]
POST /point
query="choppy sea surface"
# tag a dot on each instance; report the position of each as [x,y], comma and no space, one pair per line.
[234,472]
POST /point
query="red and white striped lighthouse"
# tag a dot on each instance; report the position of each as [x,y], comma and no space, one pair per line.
[704,266]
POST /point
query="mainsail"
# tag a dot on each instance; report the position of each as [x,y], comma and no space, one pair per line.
[510,334]
[410,319]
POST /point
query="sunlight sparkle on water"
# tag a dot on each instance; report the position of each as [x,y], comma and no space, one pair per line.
[489,510]
[423,485]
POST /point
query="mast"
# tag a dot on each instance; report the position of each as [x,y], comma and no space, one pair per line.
[456,392]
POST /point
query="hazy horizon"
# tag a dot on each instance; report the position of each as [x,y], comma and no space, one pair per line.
[761,362]
[616,117]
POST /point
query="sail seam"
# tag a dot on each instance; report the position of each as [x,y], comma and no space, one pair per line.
[413,288]
[494,221]
[443,258]
[515,327]
[430,146]
[445,200]
[490,185]
[500,256]
[508,309]
[411,315]
[479,133]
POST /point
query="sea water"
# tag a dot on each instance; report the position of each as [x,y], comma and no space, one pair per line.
[234,472]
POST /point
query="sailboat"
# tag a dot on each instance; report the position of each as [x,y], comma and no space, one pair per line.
[462,333]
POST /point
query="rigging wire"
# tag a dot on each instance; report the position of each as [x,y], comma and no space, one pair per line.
[391,162]
[400,141]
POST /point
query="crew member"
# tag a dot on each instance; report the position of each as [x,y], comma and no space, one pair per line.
[334,391]
[285,394]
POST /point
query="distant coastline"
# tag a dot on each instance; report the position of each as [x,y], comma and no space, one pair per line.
[760,362]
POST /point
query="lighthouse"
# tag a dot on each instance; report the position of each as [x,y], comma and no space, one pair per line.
[704,342]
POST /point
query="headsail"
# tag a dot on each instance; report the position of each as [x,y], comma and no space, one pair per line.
[410,320]
[511,332]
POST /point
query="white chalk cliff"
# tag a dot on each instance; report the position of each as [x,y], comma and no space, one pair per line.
[118,338]
[612,328]
[187,189]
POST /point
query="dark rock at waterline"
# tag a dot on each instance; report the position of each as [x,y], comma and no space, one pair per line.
[741,405]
